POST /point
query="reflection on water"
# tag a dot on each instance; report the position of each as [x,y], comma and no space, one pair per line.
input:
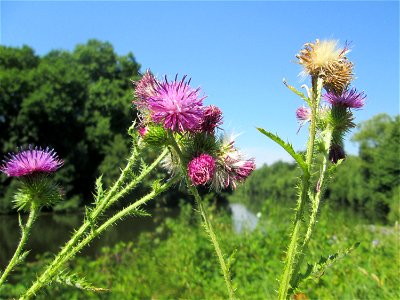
[242,218]
[51,231]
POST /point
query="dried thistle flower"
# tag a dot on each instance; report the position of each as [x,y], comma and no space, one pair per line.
[326,60]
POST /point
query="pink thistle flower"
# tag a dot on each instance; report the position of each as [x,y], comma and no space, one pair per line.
[212,118]
[201,169]
[176,105]
[349,98]
[143,130]
[145,88]
[232,168]
[303,114]
[31,161]
[244,169]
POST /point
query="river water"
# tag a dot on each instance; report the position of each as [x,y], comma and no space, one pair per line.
[51,231]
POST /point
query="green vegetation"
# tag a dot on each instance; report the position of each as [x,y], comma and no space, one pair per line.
[77,102]
[174,261]
[368,183]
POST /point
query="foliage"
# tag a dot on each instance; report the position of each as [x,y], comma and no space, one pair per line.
[145,268]
[76,102]
[368,183]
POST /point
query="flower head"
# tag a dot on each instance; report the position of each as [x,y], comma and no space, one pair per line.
[303,114]
[31,161]
[232,168]
[336,153]
[349,98]
[324,59]
[145,88]
[201,169]
[176,105]
[212,118]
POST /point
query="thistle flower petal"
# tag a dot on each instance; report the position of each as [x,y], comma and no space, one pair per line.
[31,161]
[176,105]
[349,98]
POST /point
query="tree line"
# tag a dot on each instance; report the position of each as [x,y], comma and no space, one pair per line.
[79,103]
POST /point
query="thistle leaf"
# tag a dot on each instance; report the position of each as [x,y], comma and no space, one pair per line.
[318,269]
[99,189]
[74,280]
[288,147]
[294,90]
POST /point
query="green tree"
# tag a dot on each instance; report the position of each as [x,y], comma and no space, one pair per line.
[77,102]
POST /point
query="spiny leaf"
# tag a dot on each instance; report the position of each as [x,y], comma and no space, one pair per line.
[289,149]
[99,189]
[294,90]
[139,213]
[22,256]
[318,269]
[75,281]
[231,259]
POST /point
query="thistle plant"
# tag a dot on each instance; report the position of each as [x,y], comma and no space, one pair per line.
[329,117]
[33,167]
[173,122]
[172,114]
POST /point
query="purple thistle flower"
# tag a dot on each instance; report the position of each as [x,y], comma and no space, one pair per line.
[201,169]
[349,98]
[30,161]
[176,105]
[303,114]
[212,118]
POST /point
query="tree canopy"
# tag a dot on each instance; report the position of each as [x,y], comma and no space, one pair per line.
[77,102]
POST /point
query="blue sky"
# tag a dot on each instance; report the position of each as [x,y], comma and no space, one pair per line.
[238,52]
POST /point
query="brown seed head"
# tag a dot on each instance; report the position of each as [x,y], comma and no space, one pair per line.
[326,60]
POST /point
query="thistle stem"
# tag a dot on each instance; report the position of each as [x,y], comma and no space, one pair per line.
[112,220]
[103,204]
[206,221]
[25,230]
[293,251]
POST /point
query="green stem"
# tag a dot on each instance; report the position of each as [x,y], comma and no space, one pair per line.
[16,259]
[96,232]
[206,222]
[317,197]
[103,204]
[291,255]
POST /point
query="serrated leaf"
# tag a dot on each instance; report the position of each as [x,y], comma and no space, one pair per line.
[75,281]
[139,213]
[99,189]
[22,256]
[318,269]
[231,259]
[288,147]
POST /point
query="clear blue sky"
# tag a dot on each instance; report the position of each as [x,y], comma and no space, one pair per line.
[238,52]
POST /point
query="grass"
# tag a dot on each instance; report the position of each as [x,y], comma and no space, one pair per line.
[177,261]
